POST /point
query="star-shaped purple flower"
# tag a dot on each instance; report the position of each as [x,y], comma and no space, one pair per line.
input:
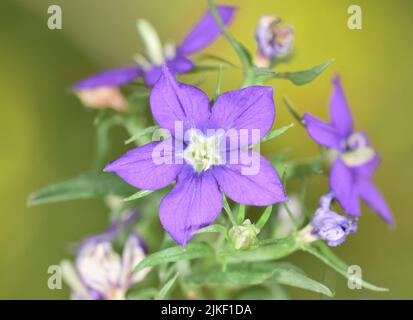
[203,34]
[204,172]
[352,171]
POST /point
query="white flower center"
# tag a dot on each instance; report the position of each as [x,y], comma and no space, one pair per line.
[203,152]
[358,151]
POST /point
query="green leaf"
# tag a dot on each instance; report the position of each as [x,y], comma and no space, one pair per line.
[166,288]
[264,251]
[241,213]
[193,250]
[213,228]
[138,195]
[330,259]
[142,133]
[88,185]
[291,108]
[275,133]
[217,91]
[257,273]
[264,218]
[292,277]
[298,78]
[228,210]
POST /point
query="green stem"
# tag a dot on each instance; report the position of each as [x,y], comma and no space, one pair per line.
[242,53]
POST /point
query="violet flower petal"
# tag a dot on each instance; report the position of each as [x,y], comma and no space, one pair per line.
[343,184]
[145,168]
[194,202]
[251,108]
[369,193]
[260,189]
[205,31]
[321,132]
[173,101]
[177,65]
[110,78]
[340,113]
[367,170]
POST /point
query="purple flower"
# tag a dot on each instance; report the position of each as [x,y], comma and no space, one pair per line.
[273,39]
[352,171]
[176,58]
[101,273]
[330,226]
[203,166]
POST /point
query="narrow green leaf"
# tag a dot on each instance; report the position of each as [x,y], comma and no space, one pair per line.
[298,77]
[213,228]
[166,288]
[272,250]
[336,264]
[142,133]
[293,110]
[217,91]
[193,250]
[256,273]
[275,133]
[241,213]
[228,210]
[138,195]
[294,278]
[264,218]
[88,185]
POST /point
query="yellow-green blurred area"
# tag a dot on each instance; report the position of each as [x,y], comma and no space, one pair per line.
[47,135]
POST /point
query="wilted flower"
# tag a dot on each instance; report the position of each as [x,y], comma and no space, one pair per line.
[244,235]
[329,226]
[149,65]
[273,39]
[101,273]
[352,171]
[196,199]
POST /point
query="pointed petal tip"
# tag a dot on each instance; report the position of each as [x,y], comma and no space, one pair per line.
[336,79]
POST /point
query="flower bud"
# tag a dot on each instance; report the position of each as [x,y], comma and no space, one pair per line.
[273,38]
[244,236]
[103,97]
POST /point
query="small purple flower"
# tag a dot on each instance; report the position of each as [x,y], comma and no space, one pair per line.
[101,273]
[330,226]
[150,66]
[273,39]
[196,199]
[352,171]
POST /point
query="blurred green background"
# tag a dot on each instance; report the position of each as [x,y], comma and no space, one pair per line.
[47,135]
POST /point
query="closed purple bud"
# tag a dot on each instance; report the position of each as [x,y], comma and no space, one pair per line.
[273,38]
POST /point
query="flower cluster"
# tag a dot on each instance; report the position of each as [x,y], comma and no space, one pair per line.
[206,151]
